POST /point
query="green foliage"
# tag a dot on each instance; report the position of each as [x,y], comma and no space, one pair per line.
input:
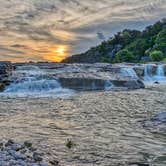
[161,41]
[128,46]
[139,47]
[105,59]
[124,56]
[156,55]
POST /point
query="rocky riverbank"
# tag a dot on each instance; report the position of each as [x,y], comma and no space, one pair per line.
[16,154]
[85,77]
[6,69]
[81,77]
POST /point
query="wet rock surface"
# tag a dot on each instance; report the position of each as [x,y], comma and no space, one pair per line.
[98,76]
[5,72]
[16,154]
[5,69]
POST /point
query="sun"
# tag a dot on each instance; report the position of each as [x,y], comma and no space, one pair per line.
[57,53]
[60,51]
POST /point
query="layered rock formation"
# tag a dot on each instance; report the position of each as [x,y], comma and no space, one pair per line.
[98,76]
[5,72]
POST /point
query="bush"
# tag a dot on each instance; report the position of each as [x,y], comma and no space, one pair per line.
[124,56]
[161,40]
[138,47]
[105,59]
[156,55]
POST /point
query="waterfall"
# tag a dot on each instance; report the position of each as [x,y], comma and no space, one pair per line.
[154,73]
[108,85]
[148,72]
[160,71]
[129,72]
[32,81]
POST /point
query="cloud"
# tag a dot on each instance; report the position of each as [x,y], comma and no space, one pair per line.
[32,29]
[101,36]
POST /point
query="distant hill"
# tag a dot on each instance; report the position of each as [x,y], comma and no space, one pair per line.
[128,46]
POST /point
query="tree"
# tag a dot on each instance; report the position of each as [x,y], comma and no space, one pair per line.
[138,47]
[105,59]
[156,55]
[161,41]
[124,56]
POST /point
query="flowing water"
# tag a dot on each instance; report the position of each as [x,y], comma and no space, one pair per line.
[129,72]
[30,81]
[106,128]
[151,77]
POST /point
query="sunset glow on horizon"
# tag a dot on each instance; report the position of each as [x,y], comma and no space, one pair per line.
[51,30]
[57,54]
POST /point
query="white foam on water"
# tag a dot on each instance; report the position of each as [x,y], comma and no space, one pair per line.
[129,72]
[159,76]
[108,85]
[30,81]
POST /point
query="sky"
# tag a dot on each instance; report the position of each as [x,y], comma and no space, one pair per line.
[50,30]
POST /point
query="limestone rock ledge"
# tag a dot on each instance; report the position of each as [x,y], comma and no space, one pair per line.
[86,77]
[98,76]
[5,72]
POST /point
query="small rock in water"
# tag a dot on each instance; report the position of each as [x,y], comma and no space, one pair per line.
[9,143]
[156,82]
[54,162]
[28,144]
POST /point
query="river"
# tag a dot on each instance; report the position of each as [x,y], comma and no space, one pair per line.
[106,127]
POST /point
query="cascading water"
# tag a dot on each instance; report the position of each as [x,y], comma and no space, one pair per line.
[108,85]
[154,73]
[32,81]
[129,72]
[148,72]
[160,71]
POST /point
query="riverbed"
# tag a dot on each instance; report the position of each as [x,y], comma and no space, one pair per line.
[106,128]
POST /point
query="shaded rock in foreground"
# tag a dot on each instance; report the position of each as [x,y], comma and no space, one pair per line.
[15,154]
